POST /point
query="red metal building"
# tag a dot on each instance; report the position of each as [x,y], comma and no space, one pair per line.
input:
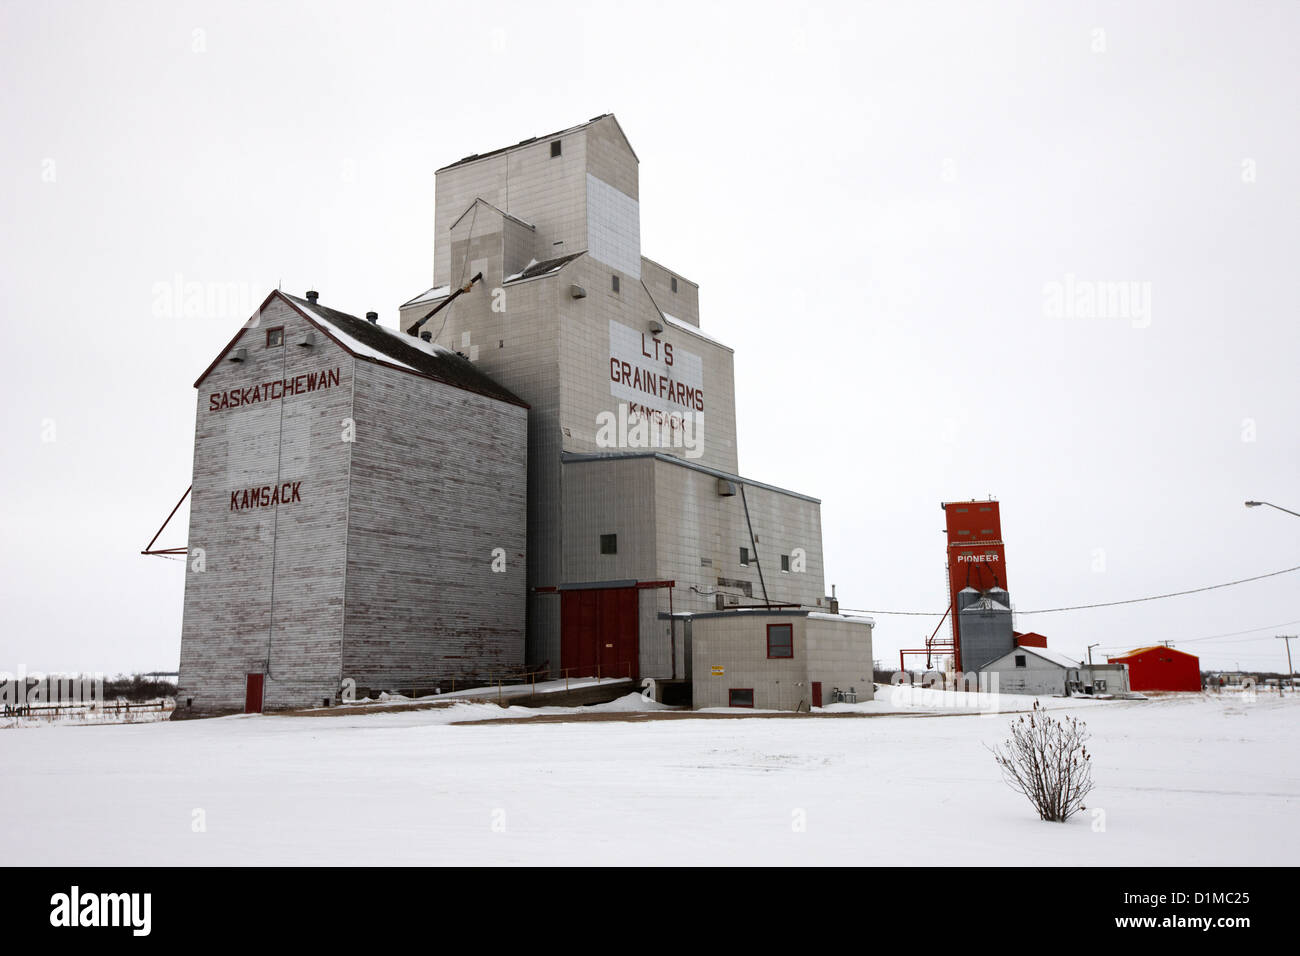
[1161,668]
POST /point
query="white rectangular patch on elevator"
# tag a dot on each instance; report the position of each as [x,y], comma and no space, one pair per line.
[613,227]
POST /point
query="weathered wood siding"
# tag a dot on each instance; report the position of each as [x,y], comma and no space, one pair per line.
[439,483]
[265,595]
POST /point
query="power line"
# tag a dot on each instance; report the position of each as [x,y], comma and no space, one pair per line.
[1214,637]
[1085,607]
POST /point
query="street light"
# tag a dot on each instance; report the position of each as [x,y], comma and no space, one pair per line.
[1256,504]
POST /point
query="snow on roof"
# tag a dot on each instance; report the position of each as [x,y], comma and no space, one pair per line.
[1056,658]
[694,330]
[399,350]
[846,618]
[535,269]
[437,292]
[350,342]
[414,341]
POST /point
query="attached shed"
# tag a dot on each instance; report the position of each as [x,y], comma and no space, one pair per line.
[1105,679]
[358,516]
[1161,668]
[777,659]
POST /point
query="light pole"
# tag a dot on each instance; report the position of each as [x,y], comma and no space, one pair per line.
[1090,647]
[1256,504]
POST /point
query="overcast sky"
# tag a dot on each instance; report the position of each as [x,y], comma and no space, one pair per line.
[895,212]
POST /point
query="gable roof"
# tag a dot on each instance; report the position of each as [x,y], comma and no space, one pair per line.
[431,295]
[495,208]
[1143,650]
[984,603]
[536,270]
[1052,657]
[475,157]
[371,342]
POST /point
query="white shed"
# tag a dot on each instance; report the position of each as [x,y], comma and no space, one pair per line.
[1033,670]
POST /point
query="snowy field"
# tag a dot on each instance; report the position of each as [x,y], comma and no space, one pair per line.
[1180,780]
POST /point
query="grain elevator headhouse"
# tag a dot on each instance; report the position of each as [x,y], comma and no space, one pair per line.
[635,507]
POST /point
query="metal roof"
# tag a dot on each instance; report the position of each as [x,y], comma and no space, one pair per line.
[582,457]
[372,342]
[437,362]
[475,157]
[535,270]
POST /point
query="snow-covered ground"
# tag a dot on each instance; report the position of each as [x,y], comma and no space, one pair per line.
[1181,780]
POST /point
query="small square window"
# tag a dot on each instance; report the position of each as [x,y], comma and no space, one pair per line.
[614,283]
[785,562]
[609,544]
[780,640]
[275,337]
[1020,660]
[674,282]
[744,557]
[555,148]
[740,697]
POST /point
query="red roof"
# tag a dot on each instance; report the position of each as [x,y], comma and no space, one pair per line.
[1153,647]
[1030,639]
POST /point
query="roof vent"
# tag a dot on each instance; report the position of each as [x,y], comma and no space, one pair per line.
[372,318]
[656,326]
[307,341]
[312,296]
[427,336]
[577,291]
[726,489]
[239,355]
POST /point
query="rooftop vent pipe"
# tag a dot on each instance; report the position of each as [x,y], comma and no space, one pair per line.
[312,296]
[426,335]
[372,318]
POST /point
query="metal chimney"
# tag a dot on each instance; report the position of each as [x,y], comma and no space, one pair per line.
[312,296]
[372,318]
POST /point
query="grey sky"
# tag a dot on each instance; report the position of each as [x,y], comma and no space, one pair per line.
[873,199]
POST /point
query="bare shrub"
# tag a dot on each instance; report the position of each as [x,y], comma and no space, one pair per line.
[1047,760]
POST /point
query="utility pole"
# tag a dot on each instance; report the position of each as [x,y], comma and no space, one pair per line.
[1290,674]
[1090,647]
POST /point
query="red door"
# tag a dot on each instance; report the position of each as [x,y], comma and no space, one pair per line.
[817,693]
[599,631]
[253,694]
